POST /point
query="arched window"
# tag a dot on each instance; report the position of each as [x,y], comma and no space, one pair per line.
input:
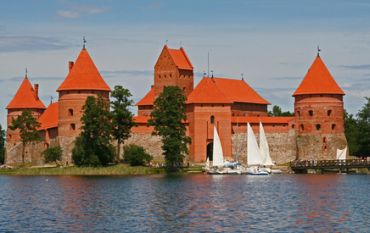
[299,113]
[333,126]
[212,120]
[302,127]
[73,126]
[318,126]
[324,139]
[70,112]
[293,126]
[329,112]
[310,113]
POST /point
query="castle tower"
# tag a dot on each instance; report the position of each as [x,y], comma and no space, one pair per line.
[83,80]
[173,68]
[319,114]
[26,98]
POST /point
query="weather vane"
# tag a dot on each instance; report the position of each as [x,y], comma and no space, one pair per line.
[318,50]
[26,72]
[84,41]
[242,74]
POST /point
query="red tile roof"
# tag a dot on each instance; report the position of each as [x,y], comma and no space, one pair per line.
[264,120]
[180,58]
[141,119]
[84,75]
[49,119]
[318,80]
[26,97]
[207,91]
[148,99]
[224,90]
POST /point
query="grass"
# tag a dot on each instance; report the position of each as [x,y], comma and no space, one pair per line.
[119,170]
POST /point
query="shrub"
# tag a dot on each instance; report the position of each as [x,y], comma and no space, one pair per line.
[136,155]
[52,154]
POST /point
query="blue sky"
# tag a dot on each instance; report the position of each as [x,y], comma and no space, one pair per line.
[271,42]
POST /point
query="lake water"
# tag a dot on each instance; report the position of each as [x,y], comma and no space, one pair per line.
[187,203]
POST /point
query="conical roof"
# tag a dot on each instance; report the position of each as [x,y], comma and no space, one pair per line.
[26,97]
[84,75]
[318,80]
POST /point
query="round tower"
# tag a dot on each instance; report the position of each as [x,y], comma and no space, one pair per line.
[83,80]
[26,98]
[319,114]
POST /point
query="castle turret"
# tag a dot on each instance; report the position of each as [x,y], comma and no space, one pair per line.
[26,98]
[83,80]
[319,114]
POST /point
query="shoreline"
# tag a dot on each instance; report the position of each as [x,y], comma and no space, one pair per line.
[114,170]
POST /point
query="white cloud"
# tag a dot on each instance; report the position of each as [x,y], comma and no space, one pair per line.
[77,11]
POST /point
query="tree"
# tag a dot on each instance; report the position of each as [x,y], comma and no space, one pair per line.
[27,125]
[352,132]
[2,145]
[93,147]
[52,154]
[364,130]
[121,116]
[136,155]
[276,111]
[168,118]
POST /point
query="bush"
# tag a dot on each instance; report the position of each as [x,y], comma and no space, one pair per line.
[52,154]
[136,155]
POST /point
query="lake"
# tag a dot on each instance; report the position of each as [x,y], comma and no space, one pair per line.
[185,203]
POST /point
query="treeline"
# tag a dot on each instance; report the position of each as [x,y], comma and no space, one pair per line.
[276,112]
[357,130]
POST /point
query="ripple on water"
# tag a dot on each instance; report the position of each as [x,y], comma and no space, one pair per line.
[191,203]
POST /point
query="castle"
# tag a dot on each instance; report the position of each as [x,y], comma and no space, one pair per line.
[315,131]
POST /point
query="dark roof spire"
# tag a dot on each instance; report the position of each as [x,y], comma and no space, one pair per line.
[84,42]
[26,73]
[318,51]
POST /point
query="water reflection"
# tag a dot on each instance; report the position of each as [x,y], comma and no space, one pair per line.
[191,203]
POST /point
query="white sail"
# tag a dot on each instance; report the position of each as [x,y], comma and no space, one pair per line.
[253,153]
[264,148]
[207,162]
[218,156]
[341,154]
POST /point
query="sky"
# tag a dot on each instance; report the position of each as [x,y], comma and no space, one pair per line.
[271,42]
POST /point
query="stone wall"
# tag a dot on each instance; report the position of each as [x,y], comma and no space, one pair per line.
[33,153]
[152,145]
[283,147]
[320,147]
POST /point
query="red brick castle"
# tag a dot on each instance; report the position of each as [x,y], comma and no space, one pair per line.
[315,132]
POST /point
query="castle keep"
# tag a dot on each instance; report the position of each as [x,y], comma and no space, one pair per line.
[315,131]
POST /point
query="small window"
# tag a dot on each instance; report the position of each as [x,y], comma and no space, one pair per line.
[333,126]
[159,76]
[9,136]
[324,139]
[329,112]
[170,75]
[318,126]
[70,112]
[73,126]
[310,113]
[212,119]
[299,113]
[302,127]
[184,89]
[293,126]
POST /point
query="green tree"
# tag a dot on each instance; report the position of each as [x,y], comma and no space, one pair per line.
[2,145]
[93,147]
[136,155]
[276,111]
[121,116]
[168,118]
[352,132]
[363,118]
[27,125]
[52,154]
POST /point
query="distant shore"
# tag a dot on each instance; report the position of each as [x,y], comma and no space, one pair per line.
[115,170]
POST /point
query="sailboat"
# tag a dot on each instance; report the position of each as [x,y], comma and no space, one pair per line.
[341,154]
[219,165]
[265,152]
[254,156]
